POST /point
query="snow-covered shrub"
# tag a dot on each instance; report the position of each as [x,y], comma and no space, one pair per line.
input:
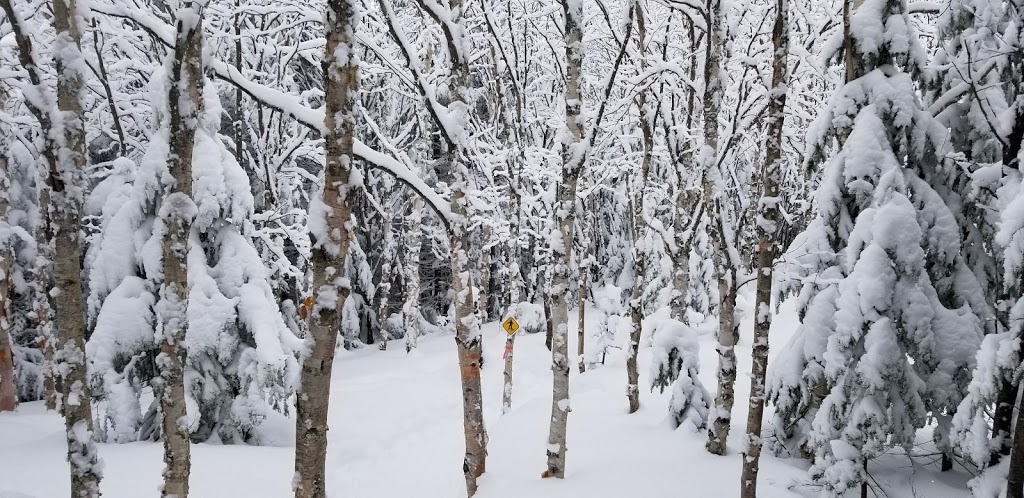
[530,317]
[675,361]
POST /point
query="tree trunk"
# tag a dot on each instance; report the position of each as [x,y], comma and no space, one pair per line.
[41,302]
[681,259]
[1015,473]
[385,286]
[177,211]
[515,287]
[1002,422]
[639,227]
[767,247]
[66,182]
[573,156]
[581,333]
[8,387]
[721,413]
[506,396]
[467,329]
[411,308]
[549,330]
[331,230]
[484,289]
[467,339]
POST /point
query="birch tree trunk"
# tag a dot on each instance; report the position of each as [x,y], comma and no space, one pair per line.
[177,210]
[8,387]
[573,155]
[581,314]
[767,247]
[467,328]
[411,308]
[41,300]
[639,226]
[721,413]
[385,286]
[681,261]
[516,285]
[484,290]
[67,194]
[330,226]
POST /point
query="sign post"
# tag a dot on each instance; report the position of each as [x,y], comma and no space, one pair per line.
[511,326]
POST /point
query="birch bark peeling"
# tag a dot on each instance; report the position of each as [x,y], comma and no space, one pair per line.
[467,329]
[767,226]
[328,253]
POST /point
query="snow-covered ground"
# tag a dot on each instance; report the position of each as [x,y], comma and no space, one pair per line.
[396,432]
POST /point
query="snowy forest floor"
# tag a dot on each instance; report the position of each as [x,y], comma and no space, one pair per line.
[396,431]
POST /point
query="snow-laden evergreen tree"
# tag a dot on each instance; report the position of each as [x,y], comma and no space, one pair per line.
[979,94]
[676,363]
[240,364]
[20,222]
[891,313]
[702,289]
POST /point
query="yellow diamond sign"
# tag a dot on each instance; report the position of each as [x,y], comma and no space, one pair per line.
[510,325]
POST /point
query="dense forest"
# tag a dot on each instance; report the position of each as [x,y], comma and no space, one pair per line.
[218,213]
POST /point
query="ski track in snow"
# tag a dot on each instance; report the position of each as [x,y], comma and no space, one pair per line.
[396,432]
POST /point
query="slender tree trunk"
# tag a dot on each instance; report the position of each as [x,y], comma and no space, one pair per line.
[411,308]
[864,483]
[767,247]
[115,115]
[516,284]
[506,396]
[727,334]
[1002,422]
[177,211]
[67,168]
[484,290]
[237,128]
[1015,479]
[681,261]
[41,301]
[467,329]
[8,386]
[581,331]
[332,224]
[467,339]
[385,286]
[573,155]
[639,227]
[549,331]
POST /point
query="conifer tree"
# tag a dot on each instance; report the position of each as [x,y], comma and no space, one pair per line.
[891,311]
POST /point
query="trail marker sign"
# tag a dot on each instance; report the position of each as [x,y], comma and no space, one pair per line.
[510,325]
